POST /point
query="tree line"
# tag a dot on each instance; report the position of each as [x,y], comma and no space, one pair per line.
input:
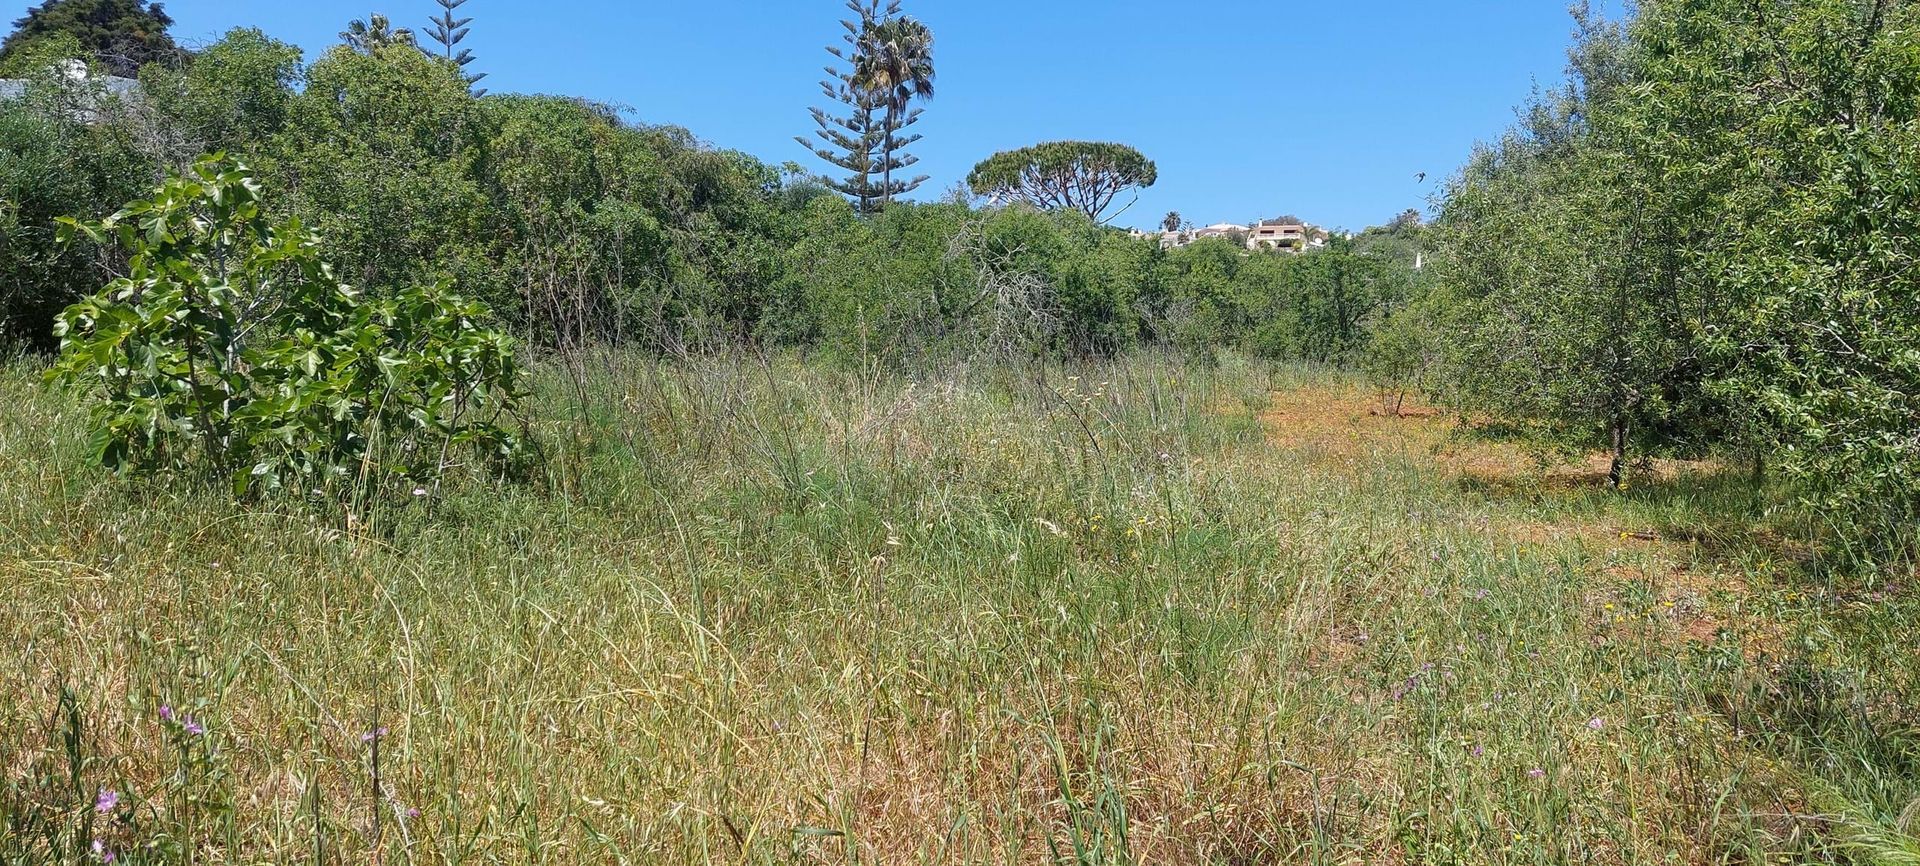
[1702,244]
[576,225]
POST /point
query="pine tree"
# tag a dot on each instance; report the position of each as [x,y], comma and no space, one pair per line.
[123,35]
[865,140]
[449,32]
[849,141]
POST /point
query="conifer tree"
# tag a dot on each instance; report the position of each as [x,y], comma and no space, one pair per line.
[848,140]
[865,137]
[123,35]
[449,32]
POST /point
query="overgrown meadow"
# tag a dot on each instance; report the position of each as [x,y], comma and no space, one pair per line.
[758,609]
[404,473]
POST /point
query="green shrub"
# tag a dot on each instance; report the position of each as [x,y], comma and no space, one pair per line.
[230,348]
[56,160]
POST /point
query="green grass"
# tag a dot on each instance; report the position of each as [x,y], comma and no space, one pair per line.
[778,612]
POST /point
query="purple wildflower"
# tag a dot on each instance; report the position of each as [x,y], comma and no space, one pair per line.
[101,851]
[1477,750]
[193,727]
[1596,724]
[413,813]
[108,799]
[166,713]
[1536,773]
[370,736]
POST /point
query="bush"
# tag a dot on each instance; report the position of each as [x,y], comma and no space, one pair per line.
[56,159]
[231,349]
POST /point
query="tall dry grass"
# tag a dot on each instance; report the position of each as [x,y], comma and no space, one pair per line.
[769,611]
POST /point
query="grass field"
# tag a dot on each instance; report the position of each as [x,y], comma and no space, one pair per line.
[778,612]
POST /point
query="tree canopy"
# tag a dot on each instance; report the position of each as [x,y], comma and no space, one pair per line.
[122,35]
[885,66]
[896,63]
[1084,176]
[375,33]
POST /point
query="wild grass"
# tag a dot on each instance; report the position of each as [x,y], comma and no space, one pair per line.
[771,611]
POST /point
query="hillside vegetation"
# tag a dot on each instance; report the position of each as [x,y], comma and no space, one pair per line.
[394,471]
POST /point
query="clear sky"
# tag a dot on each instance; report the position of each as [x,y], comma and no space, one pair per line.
[1251,108]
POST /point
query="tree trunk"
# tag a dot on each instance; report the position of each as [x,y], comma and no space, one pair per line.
[1617,474]
[886,164]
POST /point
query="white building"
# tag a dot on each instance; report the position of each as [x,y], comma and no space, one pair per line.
[1271,235]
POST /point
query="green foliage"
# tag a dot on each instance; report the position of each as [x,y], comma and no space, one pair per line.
[122,35]
[575,197]
[941,279]
[230,349]
[381,154]
[1809,164]
[1084,176]
[374,33]
[1562,295]
[40,57]
[582,229]
[55,160]
[1321,305]
[234,97]
[895,62]
[1702,245]
[878,288]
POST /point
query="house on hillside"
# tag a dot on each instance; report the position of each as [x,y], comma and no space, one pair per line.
[1268,235]
[1185,237]
[1280,236]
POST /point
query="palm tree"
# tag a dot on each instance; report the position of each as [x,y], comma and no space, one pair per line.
[1171,222]
[373,34]
[895,61]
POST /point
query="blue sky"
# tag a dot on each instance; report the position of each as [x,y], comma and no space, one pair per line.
[1326,110]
